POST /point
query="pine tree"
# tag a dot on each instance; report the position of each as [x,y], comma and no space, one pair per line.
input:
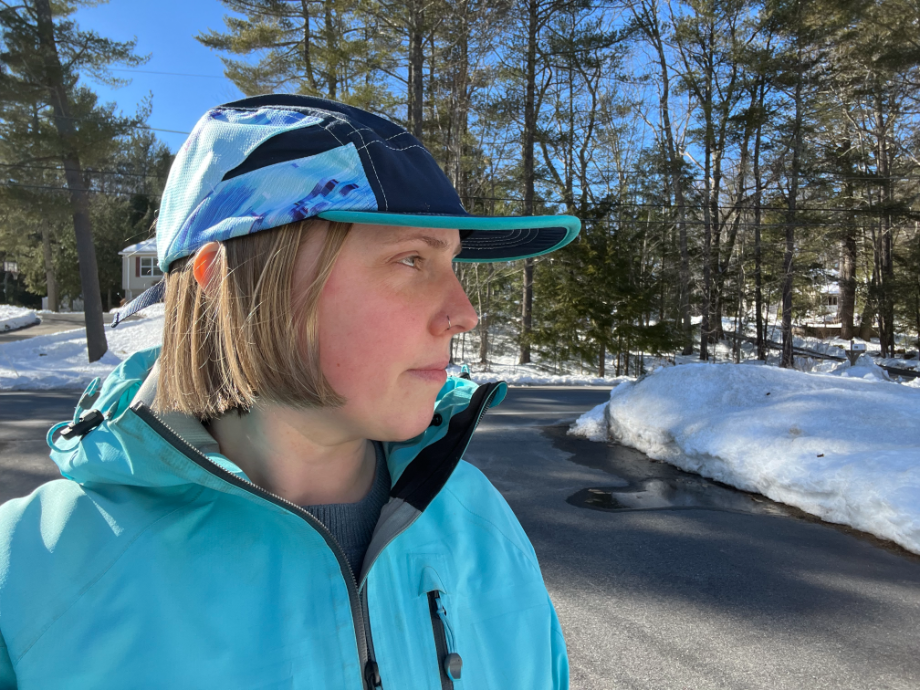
[43,54]
[327,48]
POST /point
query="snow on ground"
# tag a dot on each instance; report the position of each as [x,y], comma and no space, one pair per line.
[504,353]
[12,318]
[844,448]
[529,375]
[59,360]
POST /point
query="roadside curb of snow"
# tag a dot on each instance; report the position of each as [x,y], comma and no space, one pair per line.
[838,447]
[15,321]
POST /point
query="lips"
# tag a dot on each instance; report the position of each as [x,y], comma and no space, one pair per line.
[434,366]
[433,372]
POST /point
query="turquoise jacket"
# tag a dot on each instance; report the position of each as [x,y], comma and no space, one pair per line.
[155,563]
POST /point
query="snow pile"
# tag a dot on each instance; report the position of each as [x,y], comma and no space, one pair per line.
[845,449]
[59,360]
[12,318]
[592,425]
[865,368]
[524,375]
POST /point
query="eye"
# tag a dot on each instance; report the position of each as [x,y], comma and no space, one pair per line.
[412,261]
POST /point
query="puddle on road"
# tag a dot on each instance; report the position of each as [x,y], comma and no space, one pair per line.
[639,483]
[671,493]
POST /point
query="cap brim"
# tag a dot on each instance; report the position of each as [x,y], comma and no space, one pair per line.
[505,238]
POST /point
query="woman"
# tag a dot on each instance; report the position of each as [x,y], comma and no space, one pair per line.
[275,498]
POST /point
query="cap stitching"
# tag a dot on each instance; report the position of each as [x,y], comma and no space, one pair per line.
[386,203]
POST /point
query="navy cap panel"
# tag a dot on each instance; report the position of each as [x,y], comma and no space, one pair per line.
[403,175]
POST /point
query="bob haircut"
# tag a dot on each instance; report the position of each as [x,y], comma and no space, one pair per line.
[246,336]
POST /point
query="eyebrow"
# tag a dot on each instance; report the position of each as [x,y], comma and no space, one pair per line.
[431,241]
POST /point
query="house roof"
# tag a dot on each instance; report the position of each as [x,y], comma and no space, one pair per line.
[145,247]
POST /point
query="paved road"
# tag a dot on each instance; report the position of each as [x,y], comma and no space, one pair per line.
[51,323]
[714,590]
[711,588]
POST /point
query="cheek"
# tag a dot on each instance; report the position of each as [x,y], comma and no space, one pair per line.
[366,341]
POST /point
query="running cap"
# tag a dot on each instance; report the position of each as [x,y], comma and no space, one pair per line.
[266,161]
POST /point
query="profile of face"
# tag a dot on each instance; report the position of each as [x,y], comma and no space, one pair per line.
[386,316]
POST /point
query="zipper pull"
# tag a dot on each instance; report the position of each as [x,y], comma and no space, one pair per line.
[372,675]
[453,663]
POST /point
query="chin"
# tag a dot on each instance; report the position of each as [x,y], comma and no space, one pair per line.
[403,428]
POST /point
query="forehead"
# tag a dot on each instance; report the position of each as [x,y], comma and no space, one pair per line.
[391,235]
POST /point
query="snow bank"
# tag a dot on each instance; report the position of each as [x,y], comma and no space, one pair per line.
[592,425]
[842,448]
[523,375]
[59,360]
[12,318]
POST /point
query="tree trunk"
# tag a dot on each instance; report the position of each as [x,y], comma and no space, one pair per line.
[886,265]
[758,258]
[307,62]
[706,326]
[332,82]
[530,124]
[416,67]
[50,279]
[787,358]
[602,362]
[648,17]
[96,344]
[460,102]
[846,305]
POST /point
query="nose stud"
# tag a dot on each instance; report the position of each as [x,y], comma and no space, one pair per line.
[448,323]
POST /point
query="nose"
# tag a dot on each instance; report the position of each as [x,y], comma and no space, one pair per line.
[457,308]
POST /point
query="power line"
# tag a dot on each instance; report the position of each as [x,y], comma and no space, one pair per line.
[630,204]
[170,74]
[85,170]
[13,185]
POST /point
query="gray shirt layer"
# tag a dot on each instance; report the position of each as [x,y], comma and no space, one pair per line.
[352,524]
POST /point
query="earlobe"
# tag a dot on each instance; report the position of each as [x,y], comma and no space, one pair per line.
[203,263]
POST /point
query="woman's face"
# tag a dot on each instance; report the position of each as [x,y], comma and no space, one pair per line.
[384,339]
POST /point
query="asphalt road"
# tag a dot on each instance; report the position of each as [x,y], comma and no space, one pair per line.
[662,580]
[51,323]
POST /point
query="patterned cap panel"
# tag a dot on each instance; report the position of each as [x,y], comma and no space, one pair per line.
[271,196]
[221,140]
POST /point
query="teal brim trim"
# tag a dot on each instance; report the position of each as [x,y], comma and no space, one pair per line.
[517,237]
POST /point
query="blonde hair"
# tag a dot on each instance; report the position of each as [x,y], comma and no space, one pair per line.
[246,336]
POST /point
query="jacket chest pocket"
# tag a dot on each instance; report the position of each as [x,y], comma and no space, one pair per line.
[434,596]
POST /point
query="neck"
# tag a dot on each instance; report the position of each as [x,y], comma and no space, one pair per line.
[296,454]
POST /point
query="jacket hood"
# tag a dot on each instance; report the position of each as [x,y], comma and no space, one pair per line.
[122,449]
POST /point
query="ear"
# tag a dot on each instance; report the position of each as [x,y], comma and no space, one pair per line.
[202,264]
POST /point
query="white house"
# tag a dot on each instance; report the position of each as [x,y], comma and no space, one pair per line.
[139,269]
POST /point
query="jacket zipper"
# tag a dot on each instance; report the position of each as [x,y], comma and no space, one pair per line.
[449,661]
[357,593]
[359,614]
[486,404]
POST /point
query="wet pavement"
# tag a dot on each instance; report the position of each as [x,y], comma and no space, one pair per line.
[640,483]
[694,584]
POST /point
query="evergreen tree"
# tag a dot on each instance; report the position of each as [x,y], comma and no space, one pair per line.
[327,48]
[43,54]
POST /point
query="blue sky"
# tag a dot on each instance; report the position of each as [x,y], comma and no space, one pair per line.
[165,30]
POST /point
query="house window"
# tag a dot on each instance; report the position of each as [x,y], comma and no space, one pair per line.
[831,300]
[148,267]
